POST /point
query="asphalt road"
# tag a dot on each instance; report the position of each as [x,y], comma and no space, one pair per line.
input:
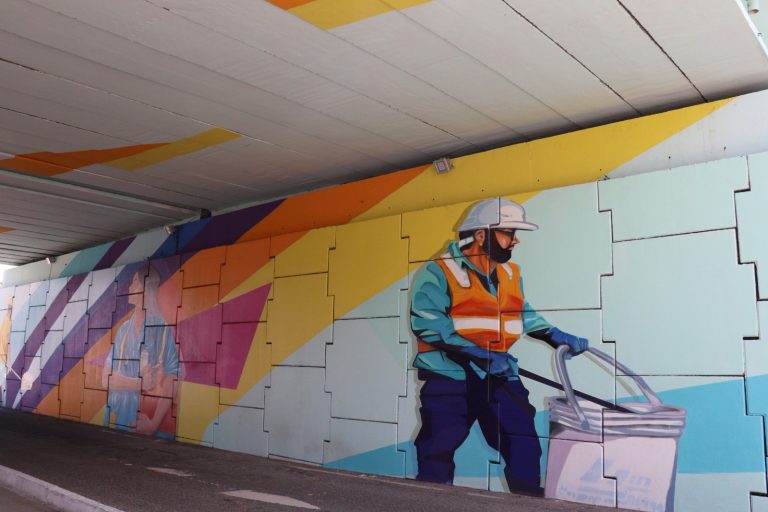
[137,474]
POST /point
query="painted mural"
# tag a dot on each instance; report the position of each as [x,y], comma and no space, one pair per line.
[243,331]
[467,310]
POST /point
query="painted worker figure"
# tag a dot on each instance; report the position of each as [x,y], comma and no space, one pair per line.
[467,309]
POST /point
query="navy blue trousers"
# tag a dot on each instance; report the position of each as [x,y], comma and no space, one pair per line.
[450,407]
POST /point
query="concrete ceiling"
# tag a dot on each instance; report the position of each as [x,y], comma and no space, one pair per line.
[117,116]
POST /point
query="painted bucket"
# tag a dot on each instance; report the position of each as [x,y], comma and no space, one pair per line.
[636,448]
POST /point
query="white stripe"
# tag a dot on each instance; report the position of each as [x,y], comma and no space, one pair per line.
[513,326]
[459,273]
[270,498]
[29,377]
[487,324]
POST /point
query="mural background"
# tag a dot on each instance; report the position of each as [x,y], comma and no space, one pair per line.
[290,318]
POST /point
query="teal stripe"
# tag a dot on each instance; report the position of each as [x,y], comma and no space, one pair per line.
[86,260]
[719,437]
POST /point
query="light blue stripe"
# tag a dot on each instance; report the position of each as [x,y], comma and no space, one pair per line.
[719,436]
[385,461]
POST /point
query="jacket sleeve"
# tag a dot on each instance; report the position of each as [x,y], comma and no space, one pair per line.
[536,326]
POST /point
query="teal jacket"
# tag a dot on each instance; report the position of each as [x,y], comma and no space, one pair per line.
[431,321]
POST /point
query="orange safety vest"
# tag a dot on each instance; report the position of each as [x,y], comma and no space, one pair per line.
[491,322]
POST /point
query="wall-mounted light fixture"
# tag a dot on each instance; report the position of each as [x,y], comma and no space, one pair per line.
[753,6]
[442,165]
[50,260]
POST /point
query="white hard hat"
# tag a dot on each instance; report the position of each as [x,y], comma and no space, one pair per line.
[496,212]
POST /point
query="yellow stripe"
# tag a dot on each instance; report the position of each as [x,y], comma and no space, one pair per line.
[328,14]
[198,407]
[98,418]
[174,149]
[263,276]
[568,159]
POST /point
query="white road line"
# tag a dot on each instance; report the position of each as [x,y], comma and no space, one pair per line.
[169,471]
[270,498]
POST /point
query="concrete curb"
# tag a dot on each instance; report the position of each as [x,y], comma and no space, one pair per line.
[53,495]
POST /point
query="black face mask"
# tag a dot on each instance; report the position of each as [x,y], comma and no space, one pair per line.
[495,251]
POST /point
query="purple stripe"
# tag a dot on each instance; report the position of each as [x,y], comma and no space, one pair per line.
[68,364]
[226,229]
[115,251]
[35,339]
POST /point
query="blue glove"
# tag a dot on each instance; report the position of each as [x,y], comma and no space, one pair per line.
[576,344]
[498,364]
[503,365]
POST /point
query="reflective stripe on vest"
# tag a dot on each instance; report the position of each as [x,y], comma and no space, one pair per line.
[478,315]
[491,324]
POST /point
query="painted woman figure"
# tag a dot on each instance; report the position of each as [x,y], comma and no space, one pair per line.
[142,365]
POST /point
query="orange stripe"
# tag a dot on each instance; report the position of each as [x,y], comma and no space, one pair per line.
[331,206]
[49,405]
[243,260]
[51,164]
[4,230]
[278,244]
[288,4]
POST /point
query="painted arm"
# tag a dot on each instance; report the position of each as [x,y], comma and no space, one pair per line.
[536,326]
[120,382]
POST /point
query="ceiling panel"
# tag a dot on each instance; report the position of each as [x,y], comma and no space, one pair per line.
[45,224]
[61,209]
[37,240]
[142,112]
[392,36]
[732,47]
[508,45]
[272,76]
[185,193]
[78,198]
[116,64]
[264,26]
[137,120]
[625,63]
[206,54]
